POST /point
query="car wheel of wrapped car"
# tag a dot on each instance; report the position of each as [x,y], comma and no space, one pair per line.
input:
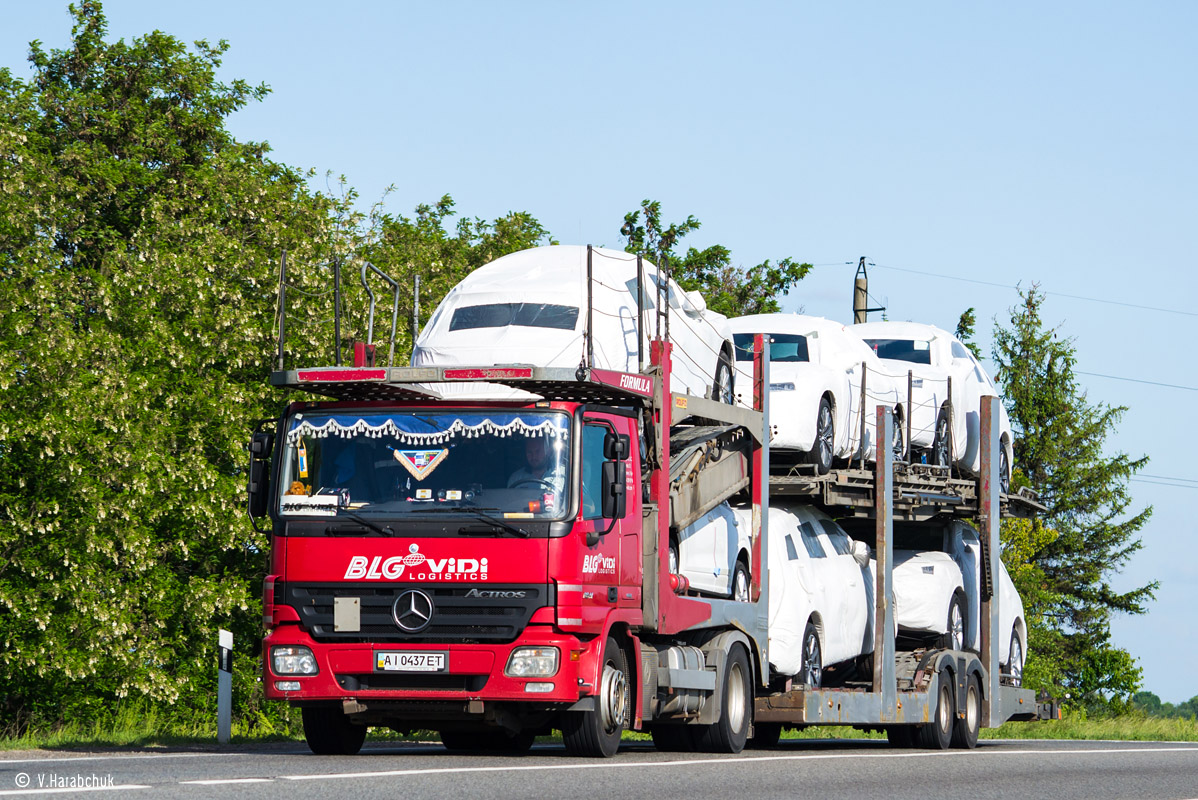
[825,430]
[723,390]
[965,731]
[938,734]
[330,733]
[597,732]
[940,442]
[954,636]
[673,557]
[740,583]
[1015,665]
[1004,469]
[898,444]
[813,663]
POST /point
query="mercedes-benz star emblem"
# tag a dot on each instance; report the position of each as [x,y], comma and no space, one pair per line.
[413,611]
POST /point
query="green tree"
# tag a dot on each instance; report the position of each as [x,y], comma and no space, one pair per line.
[965,331]
[138,243]
[728,289]
[1089,531]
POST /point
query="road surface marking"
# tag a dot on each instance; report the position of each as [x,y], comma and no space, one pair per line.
[716,761]
[228,780]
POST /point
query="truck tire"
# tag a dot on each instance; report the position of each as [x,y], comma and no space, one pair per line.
[596,733]
[938,734]
[729,734]
[965,731]
[330,733]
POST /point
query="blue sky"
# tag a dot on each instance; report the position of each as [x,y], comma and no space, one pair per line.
[1006,144]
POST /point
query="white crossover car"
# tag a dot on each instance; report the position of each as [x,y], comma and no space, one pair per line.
[817,367]
[531,307]
[939,428]
[821,593]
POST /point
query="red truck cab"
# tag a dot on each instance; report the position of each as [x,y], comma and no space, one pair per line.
[453,566]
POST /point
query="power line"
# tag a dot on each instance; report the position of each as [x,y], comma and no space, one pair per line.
[1167,478]
[1162,483]
[1044,291]
[1138,380]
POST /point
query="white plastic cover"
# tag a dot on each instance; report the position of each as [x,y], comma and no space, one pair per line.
[924,584]
[530,307]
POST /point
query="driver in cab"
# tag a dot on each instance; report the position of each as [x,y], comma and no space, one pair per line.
[543,470]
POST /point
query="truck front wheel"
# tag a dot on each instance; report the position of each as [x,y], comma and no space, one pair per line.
[330,733]
[596,733]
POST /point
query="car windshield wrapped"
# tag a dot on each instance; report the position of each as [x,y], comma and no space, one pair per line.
[784,347]
[914,350]
[507,464]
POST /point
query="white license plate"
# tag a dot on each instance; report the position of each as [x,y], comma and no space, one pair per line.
[408,661]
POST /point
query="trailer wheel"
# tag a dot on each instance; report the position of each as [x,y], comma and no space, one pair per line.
[597,733]
[729,734]
[965,731]
[496,741]
[938,734]
[765,735]
[330,733]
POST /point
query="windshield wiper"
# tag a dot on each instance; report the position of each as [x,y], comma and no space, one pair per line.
[477,513]
[387,531]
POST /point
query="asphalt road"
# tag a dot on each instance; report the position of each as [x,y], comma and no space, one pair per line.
[821,769]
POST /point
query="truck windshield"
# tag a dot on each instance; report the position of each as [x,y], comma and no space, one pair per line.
[508,464]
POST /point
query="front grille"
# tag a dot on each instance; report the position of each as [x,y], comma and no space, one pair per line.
[456,617]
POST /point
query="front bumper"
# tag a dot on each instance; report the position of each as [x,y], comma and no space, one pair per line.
[475,672]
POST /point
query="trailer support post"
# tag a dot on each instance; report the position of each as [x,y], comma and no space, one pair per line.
[988,521]
[884,678]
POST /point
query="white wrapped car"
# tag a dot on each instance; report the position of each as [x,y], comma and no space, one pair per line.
[530,307]
[821,593]
[816,371]
[933,356]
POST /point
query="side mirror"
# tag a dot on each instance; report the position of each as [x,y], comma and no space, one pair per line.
[614,493]
[259,487]
[615,447]
[262,445]
[696,302]
[861,553]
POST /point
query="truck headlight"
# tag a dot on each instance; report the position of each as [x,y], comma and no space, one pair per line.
[532,662]
[293,660]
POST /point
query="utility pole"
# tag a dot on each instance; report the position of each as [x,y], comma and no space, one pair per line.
[861,307]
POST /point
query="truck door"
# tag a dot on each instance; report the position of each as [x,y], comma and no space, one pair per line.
[602,572]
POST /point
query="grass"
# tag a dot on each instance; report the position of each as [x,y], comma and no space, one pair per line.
[135,727]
